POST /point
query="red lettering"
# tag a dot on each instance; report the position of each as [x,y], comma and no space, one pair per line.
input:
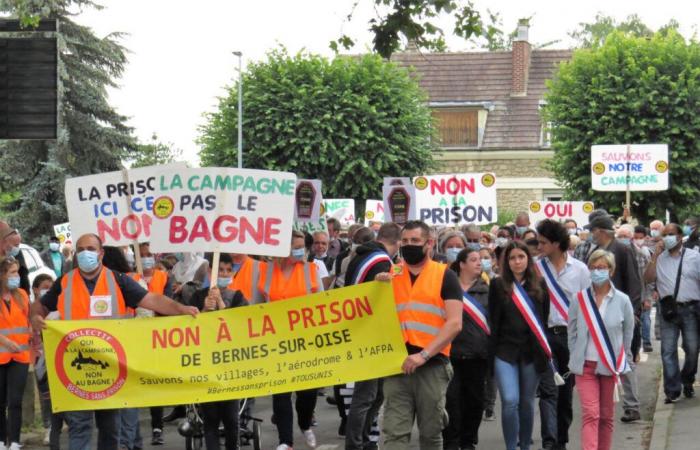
[231,230]
[322,312]
[308,315]
[200,230]
[246,228]
[335,312]
[271,230]
[293,316]
[175,337]
[350,312]
[363,305]
[268,326]
[178,230]
[159,340]
[251,333]
[113,231]
[131,226]
[452,186]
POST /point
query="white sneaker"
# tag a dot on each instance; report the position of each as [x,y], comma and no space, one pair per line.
[47,436]
[279,447]
[15,446]
[310,438]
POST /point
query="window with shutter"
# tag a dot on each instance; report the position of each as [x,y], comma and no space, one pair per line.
[457,128]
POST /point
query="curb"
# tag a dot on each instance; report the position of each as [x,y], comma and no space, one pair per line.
[662,420]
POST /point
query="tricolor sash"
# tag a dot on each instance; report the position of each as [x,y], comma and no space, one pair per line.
[367,264]
[527,310]
[596,328]
[476,311]
[556,294]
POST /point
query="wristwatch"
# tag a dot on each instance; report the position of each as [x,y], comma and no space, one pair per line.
[424,354]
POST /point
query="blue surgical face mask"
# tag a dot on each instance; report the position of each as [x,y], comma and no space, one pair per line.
[13,282]
[179,256]
[223,282]
[148,262]
[655,233]
[521,230]
[571,231]
[88,260]
[599,276]
[687,229]
[14,251]
[236,267]
[625,241]
[298,254]
[451,253]
[486,265]
[54,246]
[473,245]
[501,241]
[670,241]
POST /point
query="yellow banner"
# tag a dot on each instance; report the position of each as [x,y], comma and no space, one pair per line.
[332,337]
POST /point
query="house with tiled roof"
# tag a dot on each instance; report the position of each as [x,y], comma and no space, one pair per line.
[487,106]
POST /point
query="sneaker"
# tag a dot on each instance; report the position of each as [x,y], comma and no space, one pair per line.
[648,348]
[157,438]
[673,398]
[14,446]
[489,415]
[688,391]
[310,438]
[284,447]
[47,436]
[630,416]
[331,401]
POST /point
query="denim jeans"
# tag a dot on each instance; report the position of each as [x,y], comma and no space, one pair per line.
[517,385]
[646,327]
[129,429]
[687,326]
[80,425]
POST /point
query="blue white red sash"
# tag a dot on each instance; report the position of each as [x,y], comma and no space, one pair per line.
[556,294]
[367,264]
[476,311]
[596,328]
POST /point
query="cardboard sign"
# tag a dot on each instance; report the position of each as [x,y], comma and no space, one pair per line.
[63,232]
[319,224]
[374,211]
[223,209]
[642,167]
[560,211]
[323,339]
[456,199]
[342,209]
[307,201]
[117,206]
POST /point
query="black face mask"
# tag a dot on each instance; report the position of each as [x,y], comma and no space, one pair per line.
[412,254]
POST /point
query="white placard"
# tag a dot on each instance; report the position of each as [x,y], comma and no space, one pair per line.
[100,204]
[223,209]
[63,232]
[457,199]
[543,209]
[342,209]
[644,166]
[374,211]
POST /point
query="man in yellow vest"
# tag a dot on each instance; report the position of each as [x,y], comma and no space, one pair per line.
[82,294]
[429,303]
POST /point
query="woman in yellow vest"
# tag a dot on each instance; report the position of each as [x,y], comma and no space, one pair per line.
[14,351]
[282,279]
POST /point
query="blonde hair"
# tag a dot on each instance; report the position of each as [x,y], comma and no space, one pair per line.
[604,255]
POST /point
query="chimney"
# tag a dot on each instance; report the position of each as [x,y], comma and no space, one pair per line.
[521,60]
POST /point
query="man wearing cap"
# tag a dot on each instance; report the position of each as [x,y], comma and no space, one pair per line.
[10,239]
[585,249]
[627,279]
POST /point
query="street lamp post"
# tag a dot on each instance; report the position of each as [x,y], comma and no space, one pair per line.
[240,108]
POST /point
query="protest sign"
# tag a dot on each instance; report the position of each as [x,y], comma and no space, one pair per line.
[117,206]
[397,181]
[641,167]
[63,232]
[456,199]
[323,339]
[399,203]
[374,211]
[313,226]
[307,201]
[223,210]
[560,211]
[342,209]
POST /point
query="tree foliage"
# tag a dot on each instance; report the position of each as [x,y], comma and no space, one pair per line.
[92,136]
[593,34]
[349,122]
[629,90]
[154,153]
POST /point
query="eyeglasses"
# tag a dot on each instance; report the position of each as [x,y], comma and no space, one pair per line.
[10,233]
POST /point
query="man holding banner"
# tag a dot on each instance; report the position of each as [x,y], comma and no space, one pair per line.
[428,299]
[94,292]
[565,277]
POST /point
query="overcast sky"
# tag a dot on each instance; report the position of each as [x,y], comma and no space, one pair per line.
[181,51]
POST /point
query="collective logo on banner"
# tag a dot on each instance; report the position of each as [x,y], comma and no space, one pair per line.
[457,199]
[91,363]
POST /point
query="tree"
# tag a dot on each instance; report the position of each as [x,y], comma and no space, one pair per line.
[349,122]
[629,90]
[92,136]
[594,34]
[414,21]
[154,153]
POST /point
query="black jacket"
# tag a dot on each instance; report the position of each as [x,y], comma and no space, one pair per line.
[361,254]
[626,276]
[472,342]
[511,338]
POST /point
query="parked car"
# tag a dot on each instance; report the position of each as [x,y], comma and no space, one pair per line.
[35,265]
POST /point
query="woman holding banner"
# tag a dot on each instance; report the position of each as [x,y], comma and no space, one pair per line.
[601,325]
[14,351]
[286,278]
[469,357]
[518,306]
